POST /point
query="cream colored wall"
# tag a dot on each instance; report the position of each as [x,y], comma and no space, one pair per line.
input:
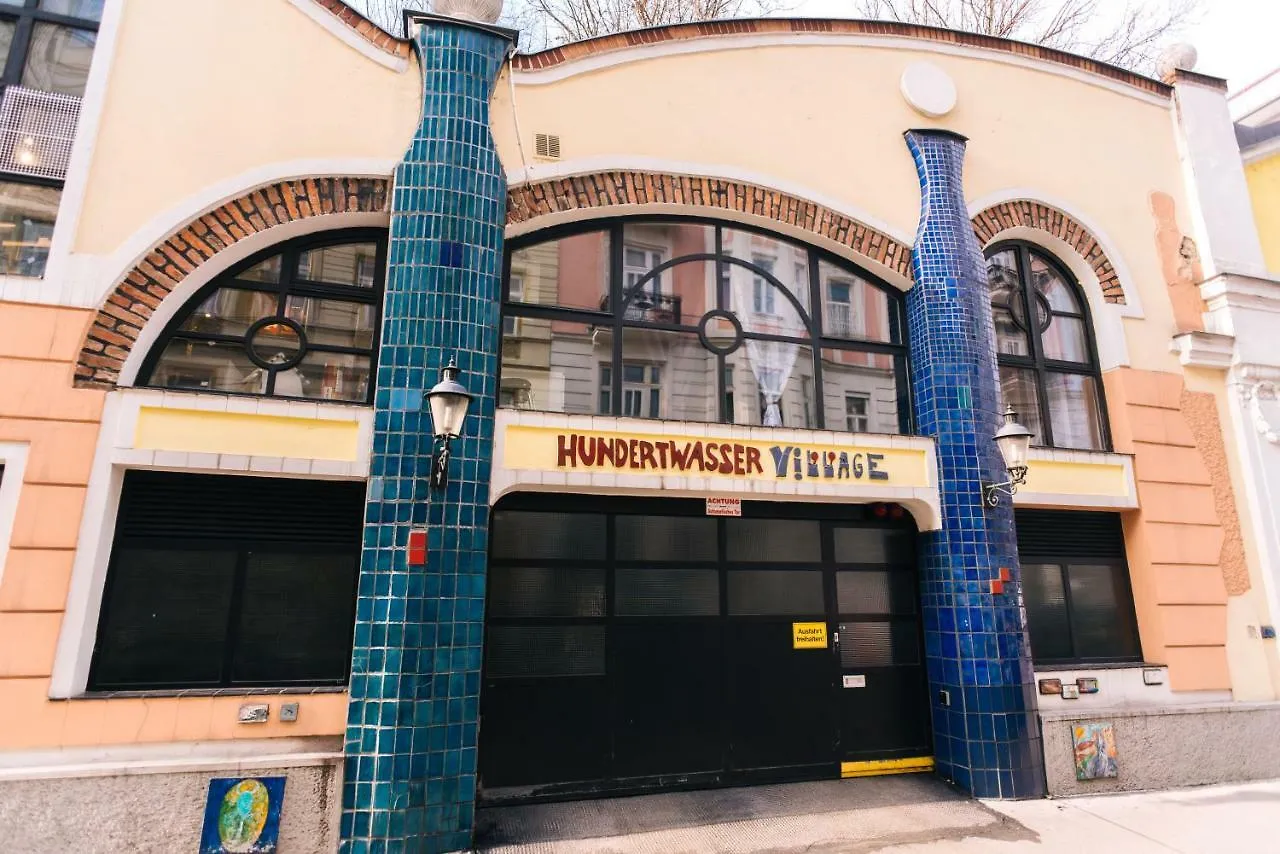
[1264,187]
[830,118]
[198,96]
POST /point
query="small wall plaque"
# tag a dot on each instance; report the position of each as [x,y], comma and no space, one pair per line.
[242,814]
[1095,751]
[1050,686]
[254,713]
[1070,692]
[859,681]
[1087,684]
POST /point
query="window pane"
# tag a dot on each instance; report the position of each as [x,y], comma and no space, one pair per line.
[1018,389]
[773,540]
[765,592]
[519,534]
[680,293]
[165,619]
[851,307]
[208,366]
[860,391]
[665,538]
[1006,304]
[655,592]
[788,262]
[230,311]
[1065,340]
[557,362]
[876,592]
[334,323]
[772,384]
[1075,411]
[879,644]
[1046,604]
[27,214]
[874,545]
[88,9]
[532,651]
[297,611]
[58,59]
[666,375]
[326,376]
[1048,281]
[760,305]
[1101,613]
[546,592]
[571,272]
[264,271]
[6,37]
[349,264]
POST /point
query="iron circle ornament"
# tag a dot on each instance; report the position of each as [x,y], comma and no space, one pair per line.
[720,348]
[275,343]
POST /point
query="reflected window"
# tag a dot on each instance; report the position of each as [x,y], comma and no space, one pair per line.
[701,322]
[27,216]
[1044,346]
[301,322]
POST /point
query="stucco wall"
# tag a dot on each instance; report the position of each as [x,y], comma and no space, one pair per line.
[156,813]
[1171,747]
[1264,188]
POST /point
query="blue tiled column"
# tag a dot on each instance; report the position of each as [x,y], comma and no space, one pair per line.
[410,774]
[976,647]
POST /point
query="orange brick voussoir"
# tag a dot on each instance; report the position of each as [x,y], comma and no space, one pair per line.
[140,291]
[997,218]
[604,190]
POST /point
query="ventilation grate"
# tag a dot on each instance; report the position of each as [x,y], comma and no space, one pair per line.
[546,145]
[36,131]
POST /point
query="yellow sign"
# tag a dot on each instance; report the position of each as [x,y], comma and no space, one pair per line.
[553,449]
[808,635]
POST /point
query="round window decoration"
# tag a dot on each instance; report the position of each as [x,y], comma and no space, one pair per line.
[715,337]
[275,343]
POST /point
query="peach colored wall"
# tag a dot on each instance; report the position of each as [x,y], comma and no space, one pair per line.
[1182,552]
[60,424]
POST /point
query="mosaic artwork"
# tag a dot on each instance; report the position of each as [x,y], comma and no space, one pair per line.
[1095,746]
[242,815]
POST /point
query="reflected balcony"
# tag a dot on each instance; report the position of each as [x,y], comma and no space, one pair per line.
[650,308]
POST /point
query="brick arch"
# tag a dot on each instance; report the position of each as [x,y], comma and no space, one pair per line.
[605,190]
[1042,217]
[136,296]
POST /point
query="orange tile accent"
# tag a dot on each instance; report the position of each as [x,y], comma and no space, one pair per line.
[43,390]
[85,721]
[41,332]
[27,718]
[35,580]
[1169,464]
[48,517]
[27,643]
[1179,584]
[60,451]
[1198,668]
[1177,502]
[1194,625]
[194,714]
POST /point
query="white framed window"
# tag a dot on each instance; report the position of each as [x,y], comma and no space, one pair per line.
[857,412]
[510,324]
[637,261]
[844,314]
[763,293]
[641,390]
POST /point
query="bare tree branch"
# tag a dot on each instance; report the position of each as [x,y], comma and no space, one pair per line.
[544,23]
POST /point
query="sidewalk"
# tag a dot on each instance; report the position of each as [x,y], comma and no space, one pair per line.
[892,815]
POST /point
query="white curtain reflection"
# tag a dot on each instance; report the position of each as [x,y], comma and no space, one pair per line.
[772,362]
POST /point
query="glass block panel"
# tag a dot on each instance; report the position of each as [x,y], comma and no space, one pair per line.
[1045,598]
[775,592]
[546,592]
[876,592]
[665,538]
[525,535]
[352,264]
[1075,410]
[656,592]
[1101,613]
[572,272]
[774,540]
[230,311]
[874,545]
[879,644]
[208,366]
[538,651]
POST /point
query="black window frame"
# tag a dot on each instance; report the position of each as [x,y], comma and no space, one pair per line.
[1037,362]
[614,307]
[289,285]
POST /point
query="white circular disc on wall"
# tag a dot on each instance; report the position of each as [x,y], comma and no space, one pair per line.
[928,89]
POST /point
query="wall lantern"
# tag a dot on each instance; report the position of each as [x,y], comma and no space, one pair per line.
[1014,441]
[449,401]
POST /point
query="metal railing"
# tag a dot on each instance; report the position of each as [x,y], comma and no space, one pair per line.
[649,307]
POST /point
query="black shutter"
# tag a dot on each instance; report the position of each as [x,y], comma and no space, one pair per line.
[1069,535]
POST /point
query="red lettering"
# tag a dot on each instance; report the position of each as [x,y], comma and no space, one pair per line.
[726,459]
[646,456]
[620,453]
[633,459]
[713,461]
[679,458]
[753,461]
[587,450]
[663,447]
[604,451]
[567,454]
[695,456]
[738,451]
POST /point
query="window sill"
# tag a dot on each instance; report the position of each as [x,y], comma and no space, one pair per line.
[210,692]
[1091,665]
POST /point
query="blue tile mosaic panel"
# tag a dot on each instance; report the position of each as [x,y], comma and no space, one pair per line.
[410,774]
[977,652]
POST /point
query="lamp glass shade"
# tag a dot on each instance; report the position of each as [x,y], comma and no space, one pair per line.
[1014,442]
[449,401]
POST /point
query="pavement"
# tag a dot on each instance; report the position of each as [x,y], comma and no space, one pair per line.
[915,814]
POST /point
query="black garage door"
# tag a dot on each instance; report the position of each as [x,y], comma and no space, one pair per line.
[640,644]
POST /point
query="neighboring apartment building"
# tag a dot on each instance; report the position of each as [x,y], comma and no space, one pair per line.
[225,571]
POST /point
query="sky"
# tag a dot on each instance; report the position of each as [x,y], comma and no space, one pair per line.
[1236,39]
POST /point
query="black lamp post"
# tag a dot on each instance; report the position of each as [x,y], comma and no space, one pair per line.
[449,401]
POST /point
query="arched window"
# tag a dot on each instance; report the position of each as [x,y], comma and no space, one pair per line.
[1044,342]
[300,320]
[694,320]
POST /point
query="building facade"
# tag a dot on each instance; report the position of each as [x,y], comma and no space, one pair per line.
[740,306]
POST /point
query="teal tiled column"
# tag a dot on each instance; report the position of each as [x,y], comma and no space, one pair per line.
[410,772]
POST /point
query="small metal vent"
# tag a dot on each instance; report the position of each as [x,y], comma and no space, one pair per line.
[546,145]
[36,131]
